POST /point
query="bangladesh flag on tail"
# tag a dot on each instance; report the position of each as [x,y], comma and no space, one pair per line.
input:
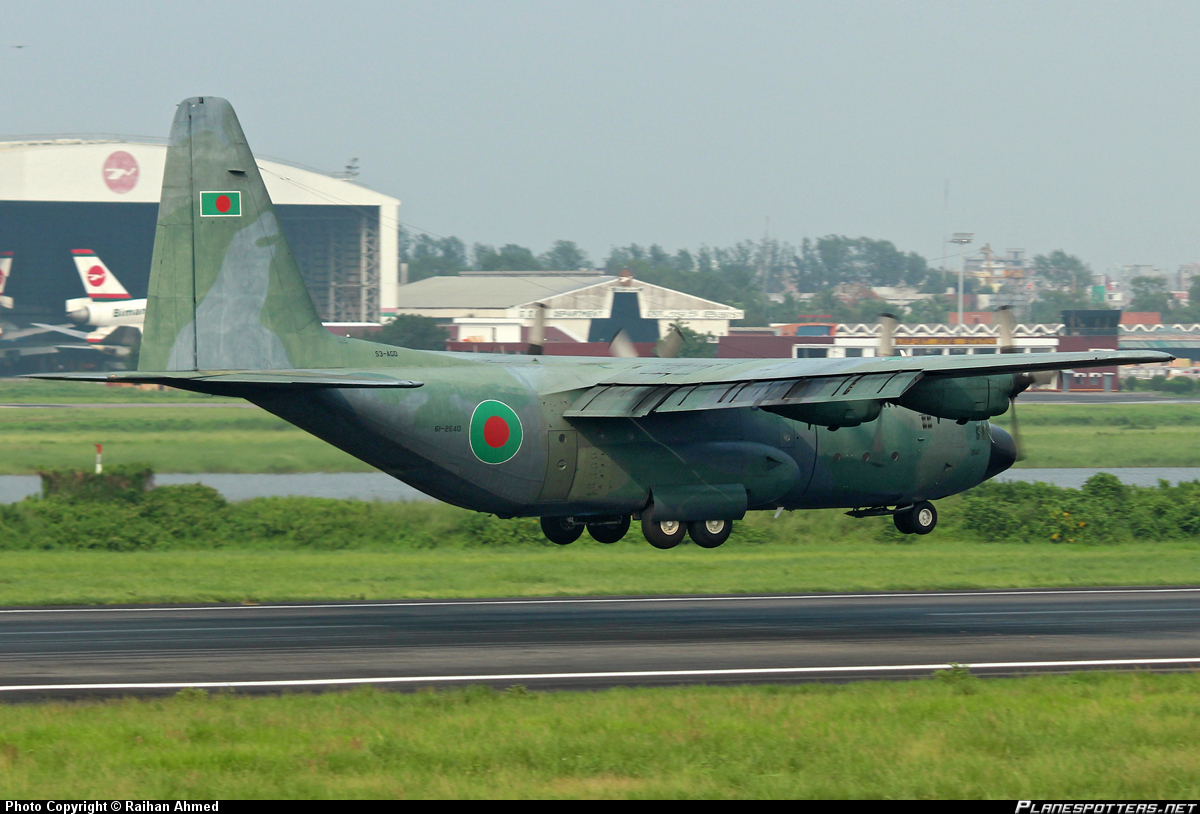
[495,432]
[220,204]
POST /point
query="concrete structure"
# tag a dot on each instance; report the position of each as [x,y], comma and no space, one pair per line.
[580,307]
[862,339]
[59,194]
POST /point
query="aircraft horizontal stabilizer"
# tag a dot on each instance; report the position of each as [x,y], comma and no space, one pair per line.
[206,380]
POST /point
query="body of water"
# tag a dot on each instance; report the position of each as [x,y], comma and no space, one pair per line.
[377,486]
[351,485]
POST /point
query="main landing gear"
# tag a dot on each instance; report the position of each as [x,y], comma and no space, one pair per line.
[566,530]
[659,533]
[920,518]
[669,533]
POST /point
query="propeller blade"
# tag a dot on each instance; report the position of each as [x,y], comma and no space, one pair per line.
[671,344]
[887,327]
[1016,429]
[621,346]
[1007,321]
[537,334]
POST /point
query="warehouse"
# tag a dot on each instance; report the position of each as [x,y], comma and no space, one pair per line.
[59,194]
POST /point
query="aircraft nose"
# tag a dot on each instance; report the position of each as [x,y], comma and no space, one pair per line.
[1004,452]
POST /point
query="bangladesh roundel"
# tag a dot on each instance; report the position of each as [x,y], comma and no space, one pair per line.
[495,432]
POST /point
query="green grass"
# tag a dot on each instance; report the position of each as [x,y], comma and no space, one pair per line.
[1083,736]
[98,577]
[169,439]
[32,391]
[1108,435]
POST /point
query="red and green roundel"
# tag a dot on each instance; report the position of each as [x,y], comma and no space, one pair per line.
[495,432]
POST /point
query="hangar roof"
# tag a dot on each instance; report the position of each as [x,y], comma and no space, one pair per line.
[493,291]
[567,295]
[117,170]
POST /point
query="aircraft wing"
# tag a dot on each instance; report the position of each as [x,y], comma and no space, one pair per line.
[679,385]
[41,328]
[202,380]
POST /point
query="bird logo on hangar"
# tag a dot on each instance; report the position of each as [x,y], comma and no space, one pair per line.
[120,172]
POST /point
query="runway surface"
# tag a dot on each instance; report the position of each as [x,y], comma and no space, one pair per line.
[591,642]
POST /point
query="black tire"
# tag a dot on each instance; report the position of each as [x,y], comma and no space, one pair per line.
[663,534]
[923,517]
[561,530]
[609,532]
[903,521]
[710,533]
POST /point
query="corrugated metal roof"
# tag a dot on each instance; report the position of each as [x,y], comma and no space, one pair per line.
[501,291]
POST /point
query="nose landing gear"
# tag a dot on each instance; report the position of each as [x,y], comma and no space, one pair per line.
[920,518]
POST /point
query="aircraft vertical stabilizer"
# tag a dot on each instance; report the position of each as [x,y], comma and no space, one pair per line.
[225,290]
[98,280]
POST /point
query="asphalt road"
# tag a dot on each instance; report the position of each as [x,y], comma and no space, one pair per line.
[591,642]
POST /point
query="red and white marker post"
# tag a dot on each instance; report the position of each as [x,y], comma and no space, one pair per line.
[99,465]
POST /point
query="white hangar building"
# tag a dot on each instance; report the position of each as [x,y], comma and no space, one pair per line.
[59,194]
[494,306]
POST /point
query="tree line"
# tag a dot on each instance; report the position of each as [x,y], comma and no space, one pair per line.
[766,277]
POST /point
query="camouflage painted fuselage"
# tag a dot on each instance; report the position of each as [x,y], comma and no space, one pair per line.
[607,466]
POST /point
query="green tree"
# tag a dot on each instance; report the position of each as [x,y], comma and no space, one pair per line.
[510,257]
[1050,304]
[564,255]
[1063,271]
[1150,294]
[695,344]
[931,310]
[430,256]
[411,331]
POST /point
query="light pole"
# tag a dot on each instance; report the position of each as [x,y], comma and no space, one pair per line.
[961,239]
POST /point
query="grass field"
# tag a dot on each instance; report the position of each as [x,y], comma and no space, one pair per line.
[96,577]
[1084,736]
[194,439]
[171,439]
[32,391]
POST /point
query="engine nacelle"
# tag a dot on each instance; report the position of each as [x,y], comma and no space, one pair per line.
[965,398]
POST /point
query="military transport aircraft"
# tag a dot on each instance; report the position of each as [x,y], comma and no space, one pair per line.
[686,446]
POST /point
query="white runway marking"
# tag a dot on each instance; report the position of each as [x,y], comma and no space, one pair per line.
[780,671]
[609,600]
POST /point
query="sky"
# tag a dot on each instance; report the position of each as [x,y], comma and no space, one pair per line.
[1037,125]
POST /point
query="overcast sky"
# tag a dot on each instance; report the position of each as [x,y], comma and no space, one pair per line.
[1067,125]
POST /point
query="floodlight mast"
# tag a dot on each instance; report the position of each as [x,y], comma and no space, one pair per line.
[962,239]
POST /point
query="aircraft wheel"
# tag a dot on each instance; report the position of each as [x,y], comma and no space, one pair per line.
[609,532]
[561,530]
[920,518]
[923,517]
[663,533]
[710,533]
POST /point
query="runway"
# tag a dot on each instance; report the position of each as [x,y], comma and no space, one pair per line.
[590,643]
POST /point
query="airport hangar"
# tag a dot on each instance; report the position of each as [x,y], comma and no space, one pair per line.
[102,193]
[583,311]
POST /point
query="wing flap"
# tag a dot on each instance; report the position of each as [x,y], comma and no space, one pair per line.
[636,401]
